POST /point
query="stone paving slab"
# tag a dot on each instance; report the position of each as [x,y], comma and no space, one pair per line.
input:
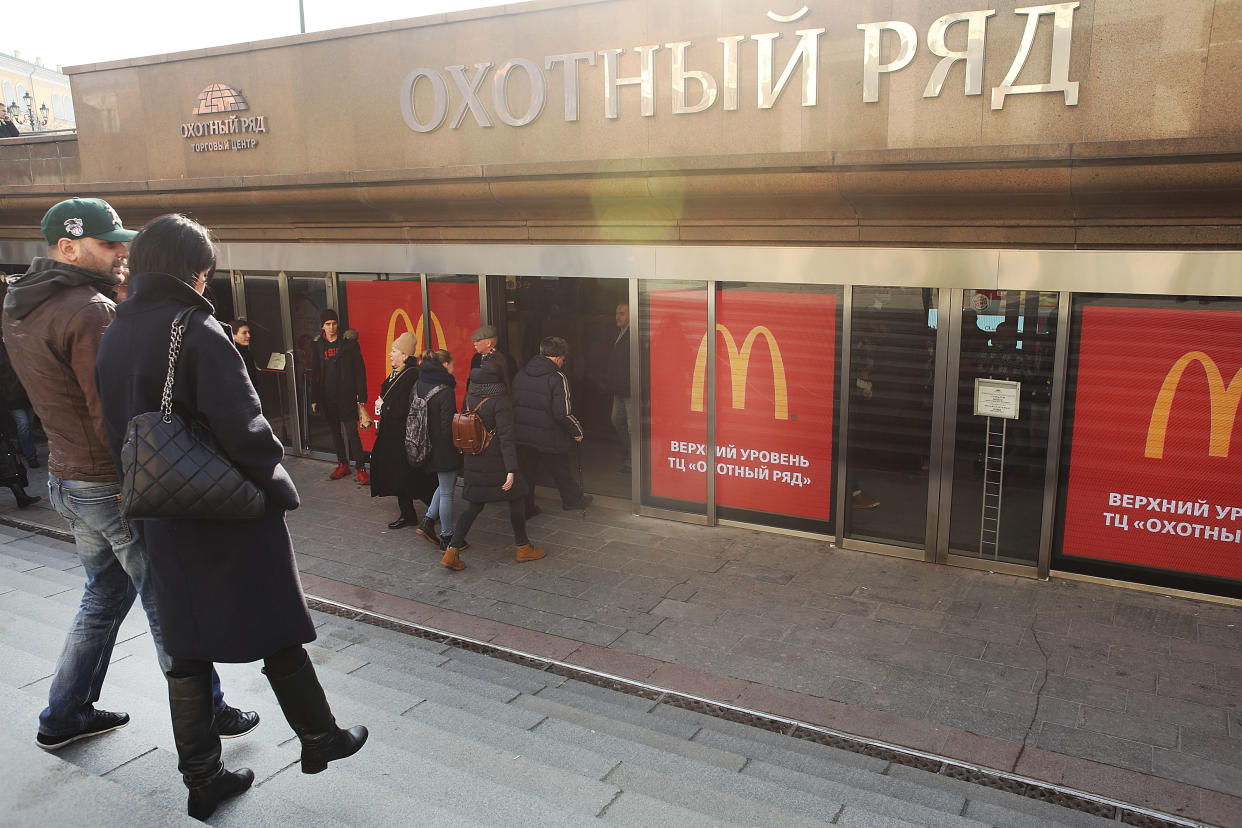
[984,666]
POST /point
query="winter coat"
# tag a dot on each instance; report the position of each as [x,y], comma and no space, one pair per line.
[225,590]
[12,395]
[54,316]
[338,380]
[444,456]
[391,473]
[617,379]
[543,409]
[485,473]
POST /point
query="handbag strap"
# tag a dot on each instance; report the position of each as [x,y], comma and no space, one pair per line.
[174,351]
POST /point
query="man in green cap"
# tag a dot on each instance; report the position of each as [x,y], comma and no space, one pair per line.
[54,317]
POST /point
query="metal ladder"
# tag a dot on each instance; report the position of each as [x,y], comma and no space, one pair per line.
[993,486]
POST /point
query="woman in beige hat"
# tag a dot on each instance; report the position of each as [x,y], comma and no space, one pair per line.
[391,474]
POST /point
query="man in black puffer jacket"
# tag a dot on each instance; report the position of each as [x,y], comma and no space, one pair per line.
[545,425]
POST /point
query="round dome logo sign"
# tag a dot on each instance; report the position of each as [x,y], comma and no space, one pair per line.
[219,99]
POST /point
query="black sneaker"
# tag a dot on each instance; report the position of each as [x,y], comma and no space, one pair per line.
[103,722]
[230,722]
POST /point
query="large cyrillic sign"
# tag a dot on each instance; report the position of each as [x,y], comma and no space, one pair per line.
[516,91]
[1155,476]
[775,358]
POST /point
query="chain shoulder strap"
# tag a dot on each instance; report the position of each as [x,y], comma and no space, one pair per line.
[174,351]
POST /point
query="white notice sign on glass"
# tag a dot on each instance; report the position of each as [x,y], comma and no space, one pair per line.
[997,398]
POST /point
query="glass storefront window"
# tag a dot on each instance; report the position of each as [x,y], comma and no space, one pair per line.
[267,340]
[672,330]
[1000,450]
[891,394]
[1151,485]
[776,367]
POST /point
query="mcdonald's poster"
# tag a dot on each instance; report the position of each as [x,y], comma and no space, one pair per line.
[1155,473]
[382,311]
[775,385]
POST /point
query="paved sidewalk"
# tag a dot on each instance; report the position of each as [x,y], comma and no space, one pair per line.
[1118,692]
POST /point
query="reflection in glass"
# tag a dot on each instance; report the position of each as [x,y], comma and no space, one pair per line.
[584,312]
[891,392]
[672,326]
[307,299]
[998,472]
[267,337]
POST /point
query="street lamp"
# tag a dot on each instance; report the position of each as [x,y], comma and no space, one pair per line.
[29,118]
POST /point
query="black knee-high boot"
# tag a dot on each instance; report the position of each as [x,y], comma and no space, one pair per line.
[306,707]
[198,747]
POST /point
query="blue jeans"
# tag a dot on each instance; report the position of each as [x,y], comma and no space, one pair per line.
[115,562]
[441,507]
[22,418]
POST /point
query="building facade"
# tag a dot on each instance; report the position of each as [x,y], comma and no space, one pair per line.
[50,106]
[916,278]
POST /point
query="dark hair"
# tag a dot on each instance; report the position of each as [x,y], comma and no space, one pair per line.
[176,245]
[240,322]
[553,346]
[441,356]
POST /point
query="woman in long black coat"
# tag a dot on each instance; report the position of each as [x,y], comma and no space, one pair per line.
[224,590]
[493,475]
[436,384]
[391,473]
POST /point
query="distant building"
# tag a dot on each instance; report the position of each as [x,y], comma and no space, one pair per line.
[48,88]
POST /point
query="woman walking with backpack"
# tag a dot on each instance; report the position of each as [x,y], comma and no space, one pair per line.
[391,473]
[437,386]
[492,475]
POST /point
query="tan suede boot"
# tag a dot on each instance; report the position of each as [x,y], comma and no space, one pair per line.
[529,553]
[452,559]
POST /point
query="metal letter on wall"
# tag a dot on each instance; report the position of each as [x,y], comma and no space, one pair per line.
[907,42]
[707,83]
[1062,34]
[645,81]
[500,92]
[469,90]
[975,33]
[438,90]
[729,73]
[570,77]
[807,52]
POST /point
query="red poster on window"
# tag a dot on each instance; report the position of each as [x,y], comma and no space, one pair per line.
[775,384]
[1155,474]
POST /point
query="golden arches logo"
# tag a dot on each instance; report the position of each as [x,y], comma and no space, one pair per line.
[739,365]
[1223,398]
[437,338]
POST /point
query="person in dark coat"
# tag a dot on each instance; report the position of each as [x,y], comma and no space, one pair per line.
[338,383]
[493,475]
[443,459]
[391,473]
[241,338]
[546,428]
[224,590]
[617,381]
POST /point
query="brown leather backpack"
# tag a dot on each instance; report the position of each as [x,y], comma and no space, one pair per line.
[470,435]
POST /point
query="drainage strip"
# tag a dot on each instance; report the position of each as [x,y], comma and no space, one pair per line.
[1094,804]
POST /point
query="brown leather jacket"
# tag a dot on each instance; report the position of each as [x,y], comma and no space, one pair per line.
[54,317]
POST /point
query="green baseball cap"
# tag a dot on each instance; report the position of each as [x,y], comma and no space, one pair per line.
[77,218]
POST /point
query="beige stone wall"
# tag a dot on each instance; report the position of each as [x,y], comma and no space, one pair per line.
[1147,69]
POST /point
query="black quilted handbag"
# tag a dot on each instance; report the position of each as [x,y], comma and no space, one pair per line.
[171,468]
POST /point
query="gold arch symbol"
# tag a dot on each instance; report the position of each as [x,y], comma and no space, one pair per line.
[1223,398]
[739,365]
[438,340]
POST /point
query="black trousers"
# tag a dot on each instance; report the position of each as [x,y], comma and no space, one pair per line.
[280,663]
[517,519]
[335,425]
[557,467]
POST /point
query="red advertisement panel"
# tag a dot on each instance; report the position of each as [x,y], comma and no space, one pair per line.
[1155,473]
[775,384]
[380,312]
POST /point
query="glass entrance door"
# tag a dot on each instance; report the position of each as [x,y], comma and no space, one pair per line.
[996,446]
[271,345]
